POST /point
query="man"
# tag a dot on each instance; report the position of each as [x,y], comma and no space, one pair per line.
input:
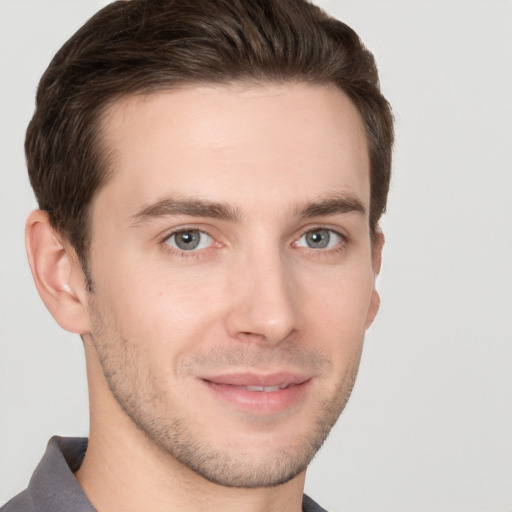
[210,177]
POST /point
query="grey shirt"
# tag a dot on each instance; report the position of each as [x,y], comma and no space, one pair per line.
[53,488]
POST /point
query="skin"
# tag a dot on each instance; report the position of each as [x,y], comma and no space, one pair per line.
[257,301]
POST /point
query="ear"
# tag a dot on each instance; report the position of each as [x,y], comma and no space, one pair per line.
[57,274]
[377,245]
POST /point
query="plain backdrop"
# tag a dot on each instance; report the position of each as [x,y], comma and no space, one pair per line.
[429,425]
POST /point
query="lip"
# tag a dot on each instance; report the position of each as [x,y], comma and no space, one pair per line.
[259,393]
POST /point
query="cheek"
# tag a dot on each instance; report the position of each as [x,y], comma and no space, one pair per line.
[162,308]
[337,315]
[342,296]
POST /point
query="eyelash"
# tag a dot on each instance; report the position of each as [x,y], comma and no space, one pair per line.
[339,247]
[183,253]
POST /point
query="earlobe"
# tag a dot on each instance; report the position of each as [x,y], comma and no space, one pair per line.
[57,274]
[373,309]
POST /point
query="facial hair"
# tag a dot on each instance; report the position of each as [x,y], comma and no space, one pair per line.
[132,382]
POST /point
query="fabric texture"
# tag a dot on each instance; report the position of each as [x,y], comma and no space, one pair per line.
[53,487]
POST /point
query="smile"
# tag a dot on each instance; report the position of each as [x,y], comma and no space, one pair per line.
[258,394]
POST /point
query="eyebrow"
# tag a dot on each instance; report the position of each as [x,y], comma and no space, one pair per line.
[190,207]
[341,203]
[333,205]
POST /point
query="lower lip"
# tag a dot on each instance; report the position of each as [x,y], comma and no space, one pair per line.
[260,402]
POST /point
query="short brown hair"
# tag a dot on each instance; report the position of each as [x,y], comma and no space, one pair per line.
[138,46]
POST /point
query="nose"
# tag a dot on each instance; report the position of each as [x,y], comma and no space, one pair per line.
[263,306]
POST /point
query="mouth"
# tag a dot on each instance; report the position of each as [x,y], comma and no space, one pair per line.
[257,393]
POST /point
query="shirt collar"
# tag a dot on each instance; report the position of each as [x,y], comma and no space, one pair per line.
[53,487]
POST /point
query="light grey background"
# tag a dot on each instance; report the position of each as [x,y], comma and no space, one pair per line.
[429,426]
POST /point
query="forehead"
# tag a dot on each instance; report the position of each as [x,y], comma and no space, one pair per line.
[235,143]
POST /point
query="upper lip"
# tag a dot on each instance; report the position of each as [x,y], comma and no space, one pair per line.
[256,379]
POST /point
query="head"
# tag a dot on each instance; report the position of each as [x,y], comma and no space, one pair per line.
[215,173]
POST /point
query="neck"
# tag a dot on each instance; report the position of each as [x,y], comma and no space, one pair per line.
[120,475]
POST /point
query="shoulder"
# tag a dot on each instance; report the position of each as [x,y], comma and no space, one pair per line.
[309,505]
[20,503]
[52,487]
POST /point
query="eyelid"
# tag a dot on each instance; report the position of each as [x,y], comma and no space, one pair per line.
[329,227]
[203,228]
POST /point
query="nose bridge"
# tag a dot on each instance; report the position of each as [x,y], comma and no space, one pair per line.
[263,306]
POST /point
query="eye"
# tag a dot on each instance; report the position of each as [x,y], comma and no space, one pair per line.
[189,240]
[320,238]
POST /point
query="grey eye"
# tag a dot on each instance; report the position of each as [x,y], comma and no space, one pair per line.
[319,239]
[189,240]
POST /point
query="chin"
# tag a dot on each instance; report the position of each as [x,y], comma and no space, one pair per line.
[254,460]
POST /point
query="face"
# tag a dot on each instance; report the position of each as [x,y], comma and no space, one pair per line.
[233,273]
